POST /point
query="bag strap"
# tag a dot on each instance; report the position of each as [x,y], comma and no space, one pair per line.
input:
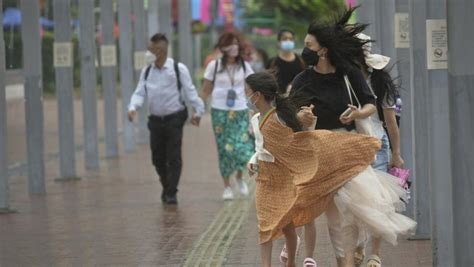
[176,70]
[215,71]
[178,80]
[349,90]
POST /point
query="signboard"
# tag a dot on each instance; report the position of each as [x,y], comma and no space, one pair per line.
[108,55]
[402,30]
[139,59]
[63,54]
[437,44]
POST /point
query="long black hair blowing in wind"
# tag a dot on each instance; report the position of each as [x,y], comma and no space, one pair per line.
[340,38]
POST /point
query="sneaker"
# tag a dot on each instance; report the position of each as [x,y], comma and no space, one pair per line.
[244,190]
[228,194]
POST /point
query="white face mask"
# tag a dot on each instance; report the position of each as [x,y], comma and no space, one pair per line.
[287,45]
[149,57]
[251,105]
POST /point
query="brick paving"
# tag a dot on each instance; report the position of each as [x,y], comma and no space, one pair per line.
[114,216]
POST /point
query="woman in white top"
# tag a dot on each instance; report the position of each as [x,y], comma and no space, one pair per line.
[374,69]
[224,79]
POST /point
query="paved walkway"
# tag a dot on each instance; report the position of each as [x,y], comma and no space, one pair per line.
[114,217]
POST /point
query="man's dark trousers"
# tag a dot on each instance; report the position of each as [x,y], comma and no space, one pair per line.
[166,134]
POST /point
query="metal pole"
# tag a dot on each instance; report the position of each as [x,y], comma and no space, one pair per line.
[30,36]
[152,17]
[461,97]
[407,127]
[108,61]
[185,40]
[367,14]
[385,28]
[440,146]
[214,7]
[140,49]
[185,36]
[419,83]
[165,23]
[89,83]
[4,197]
[126,70]
[63,62]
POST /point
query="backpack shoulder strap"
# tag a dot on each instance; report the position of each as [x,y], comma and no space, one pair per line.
[243,66]
[147,73]
[176,70]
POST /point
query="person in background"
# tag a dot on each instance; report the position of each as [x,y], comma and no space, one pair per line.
[259,59]
[287,64]
[163,83]
[224,80]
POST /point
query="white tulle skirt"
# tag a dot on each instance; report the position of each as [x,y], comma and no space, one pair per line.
[372,201]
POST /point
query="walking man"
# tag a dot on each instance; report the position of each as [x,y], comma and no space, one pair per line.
[163,83]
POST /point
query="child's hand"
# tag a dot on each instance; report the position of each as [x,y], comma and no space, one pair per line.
[253,168]
[306,117]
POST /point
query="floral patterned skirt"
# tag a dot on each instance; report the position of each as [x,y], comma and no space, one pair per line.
[234,144]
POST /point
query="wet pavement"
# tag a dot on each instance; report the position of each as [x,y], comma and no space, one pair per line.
[114,216]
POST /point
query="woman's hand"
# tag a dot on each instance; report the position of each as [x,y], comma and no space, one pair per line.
[396,161]
[353,115]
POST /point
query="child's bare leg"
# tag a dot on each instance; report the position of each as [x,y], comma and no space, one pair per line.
[266,253]
[291,242]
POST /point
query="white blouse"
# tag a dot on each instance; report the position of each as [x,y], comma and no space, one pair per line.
[223,84]
[260,152]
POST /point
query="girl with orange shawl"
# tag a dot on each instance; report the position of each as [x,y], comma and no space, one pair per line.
[300,172]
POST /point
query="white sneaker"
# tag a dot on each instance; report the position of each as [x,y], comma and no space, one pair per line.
[244,190]
[228,194]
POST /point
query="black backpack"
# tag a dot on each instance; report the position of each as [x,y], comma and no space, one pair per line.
[176,70]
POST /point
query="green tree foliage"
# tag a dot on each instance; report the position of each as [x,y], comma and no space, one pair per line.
[293,14]
[309,10]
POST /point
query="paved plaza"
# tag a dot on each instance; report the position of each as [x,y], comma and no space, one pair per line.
[114,216]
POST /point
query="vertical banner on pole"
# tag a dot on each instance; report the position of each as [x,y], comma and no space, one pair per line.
[4,197]
[63,64]
[126,70]
[461,98]
[407,127]
[108,62]
[140,63]
[89,83]
[30,36]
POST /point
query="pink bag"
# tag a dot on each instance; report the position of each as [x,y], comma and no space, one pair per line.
[402,174]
